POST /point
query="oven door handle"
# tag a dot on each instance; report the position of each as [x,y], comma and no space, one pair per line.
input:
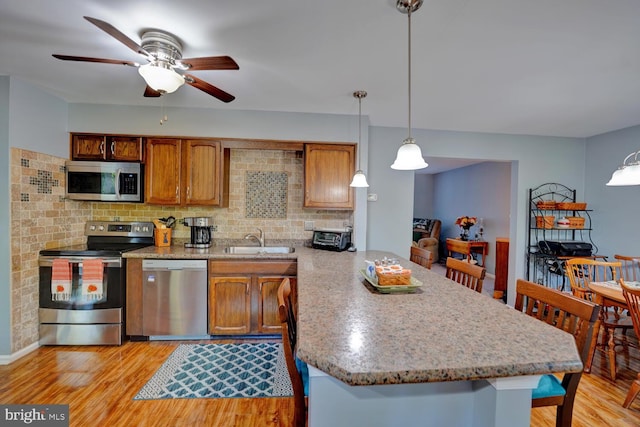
[109,262]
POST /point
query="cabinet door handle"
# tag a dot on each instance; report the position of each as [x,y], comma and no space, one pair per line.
[102,147]
[177,191]
[113,148]
[188,192]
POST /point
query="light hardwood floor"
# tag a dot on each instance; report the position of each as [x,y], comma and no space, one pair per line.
[99,384]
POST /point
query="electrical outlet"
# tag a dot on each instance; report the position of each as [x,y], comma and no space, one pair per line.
[308,225]
[215,228]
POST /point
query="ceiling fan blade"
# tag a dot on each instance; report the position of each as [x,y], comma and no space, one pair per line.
[88,59]
[211,63]
[151,93]
[208,88]
[118,35]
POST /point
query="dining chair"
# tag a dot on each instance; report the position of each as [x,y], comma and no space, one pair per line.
[630,267]
[298,370]
[570,314]
[581,272]
[632,296]
[421,256]
[469,275]
[460,247]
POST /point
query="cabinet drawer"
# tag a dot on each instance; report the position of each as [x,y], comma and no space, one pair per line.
[282,268]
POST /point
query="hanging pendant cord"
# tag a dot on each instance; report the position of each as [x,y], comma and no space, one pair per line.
[359,128]
[409,80]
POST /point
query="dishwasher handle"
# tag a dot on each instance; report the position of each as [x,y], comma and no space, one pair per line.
[174,264]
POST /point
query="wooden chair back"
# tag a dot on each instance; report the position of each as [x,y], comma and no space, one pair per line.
[569,313]
[632,296]
[459,246]
[630,270]
[289,338]
[421,256]
[582,271]
[469,275]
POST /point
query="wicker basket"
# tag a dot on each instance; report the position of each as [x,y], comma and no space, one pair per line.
[545,221]
[546,204]
[571,206]
[393,276]
[576,222]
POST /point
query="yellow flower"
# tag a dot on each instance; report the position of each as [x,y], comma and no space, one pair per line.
[466,222]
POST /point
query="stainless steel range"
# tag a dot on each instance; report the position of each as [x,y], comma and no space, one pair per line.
[82,287]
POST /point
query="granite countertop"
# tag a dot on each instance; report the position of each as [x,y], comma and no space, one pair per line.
[443,332]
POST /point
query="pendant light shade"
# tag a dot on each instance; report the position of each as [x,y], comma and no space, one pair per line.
[409,157]
[409,154]
[359,179]
[160,77]
[628,173]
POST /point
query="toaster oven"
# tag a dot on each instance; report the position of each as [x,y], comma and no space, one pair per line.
[331,240]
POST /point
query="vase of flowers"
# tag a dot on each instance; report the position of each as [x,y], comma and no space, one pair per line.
[465,223]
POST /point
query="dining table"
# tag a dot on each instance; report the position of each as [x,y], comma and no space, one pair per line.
[608,294]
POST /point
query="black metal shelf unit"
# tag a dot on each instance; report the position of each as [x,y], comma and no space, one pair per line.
[544,268]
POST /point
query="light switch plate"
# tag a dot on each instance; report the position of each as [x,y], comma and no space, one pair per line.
[308,225]
[372,197]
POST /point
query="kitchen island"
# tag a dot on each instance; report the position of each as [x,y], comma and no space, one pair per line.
[444,355]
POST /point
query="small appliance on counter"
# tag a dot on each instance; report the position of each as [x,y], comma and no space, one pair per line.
[201,232]
[569,248]
[331,239]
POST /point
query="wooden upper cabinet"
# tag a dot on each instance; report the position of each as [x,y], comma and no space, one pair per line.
[202,172]
[162,171]
[190,172]
[124,148]
[328,170]
[88,147]
[101,147]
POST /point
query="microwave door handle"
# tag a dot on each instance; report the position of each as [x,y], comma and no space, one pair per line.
[118,182]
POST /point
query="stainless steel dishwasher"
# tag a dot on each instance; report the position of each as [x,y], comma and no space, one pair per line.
[174,296]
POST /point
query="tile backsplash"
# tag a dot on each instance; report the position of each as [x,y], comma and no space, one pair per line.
[279,218]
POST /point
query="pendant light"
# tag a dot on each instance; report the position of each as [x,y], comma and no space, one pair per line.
[628,173]
[359,179]
[409,154]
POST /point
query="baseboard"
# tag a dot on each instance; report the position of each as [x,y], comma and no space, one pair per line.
[5,360]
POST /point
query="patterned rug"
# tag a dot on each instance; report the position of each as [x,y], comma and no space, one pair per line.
[220,370]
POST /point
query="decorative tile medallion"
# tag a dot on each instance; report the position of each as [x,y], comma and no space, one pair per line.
[266,194]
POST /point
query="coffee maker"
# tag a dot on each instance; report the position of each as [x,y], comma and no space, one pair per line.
[201,231]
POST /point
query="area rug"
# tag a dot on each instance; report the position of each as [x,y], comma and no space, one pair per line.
[220,370]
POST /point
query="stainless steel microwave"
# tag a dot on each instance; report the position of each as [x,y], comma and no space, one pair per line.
[105,181]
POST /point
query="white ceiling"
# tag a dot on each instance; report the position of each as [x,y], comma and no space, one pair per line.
[537,67]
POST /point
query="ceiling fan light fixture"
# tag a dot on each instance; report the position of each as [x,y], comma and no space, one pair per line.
[409,157]
[161,77]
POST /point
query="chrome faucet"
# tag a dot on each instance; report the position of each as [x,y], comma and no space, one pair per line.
[259,239]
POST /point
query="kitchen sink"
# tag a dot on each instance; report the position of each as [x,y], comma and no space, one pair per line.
[249,250]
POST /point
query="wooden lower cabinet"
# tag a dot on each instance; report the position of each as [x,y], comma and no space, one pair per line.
[243,296]
[230,305]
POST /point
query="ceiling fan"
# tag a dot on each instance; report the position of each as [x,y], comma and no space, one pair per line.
[165,70]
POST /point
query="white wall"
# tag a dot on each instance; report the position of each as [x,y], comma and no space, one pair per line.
[482,190]
[538,160]
[5,222]
[614,208]
[38,120]
[423,205]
